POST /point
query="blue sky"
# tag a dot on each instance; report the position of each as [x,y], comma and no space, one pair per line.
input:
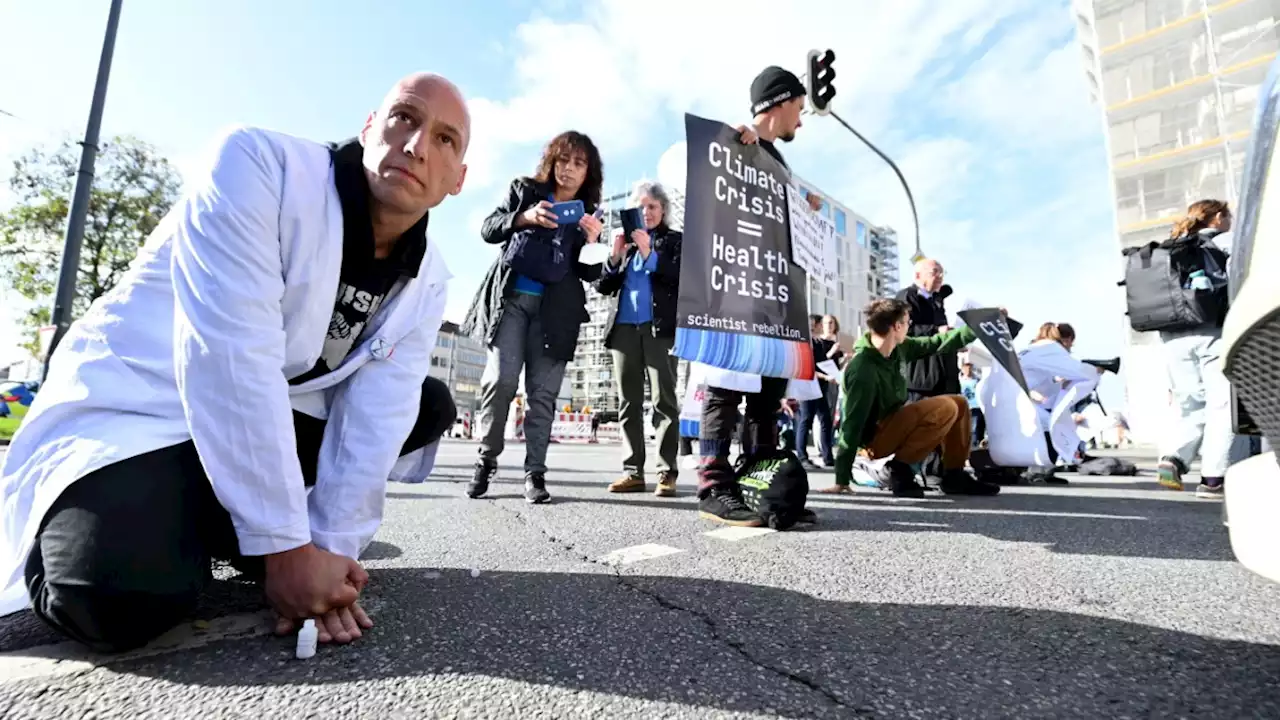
[982,102]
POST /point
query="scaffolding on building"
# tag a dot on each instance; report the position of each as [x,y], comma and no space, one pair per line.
[1175,83]
[884,257]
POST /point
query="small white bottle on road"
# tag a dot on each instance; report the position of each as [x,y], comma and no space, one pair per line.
[307,638]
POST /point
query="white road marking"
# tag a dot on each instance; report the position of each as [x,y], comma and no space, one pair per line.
[918,524]
[70,657]
[960,510]
[736,534]
[636,553]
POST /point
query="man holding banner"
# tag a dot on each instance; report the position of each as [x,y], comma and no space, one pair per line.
[741,316]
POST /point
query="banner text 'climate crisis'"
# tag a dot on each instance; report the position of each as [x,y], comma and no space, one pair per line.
[772,206]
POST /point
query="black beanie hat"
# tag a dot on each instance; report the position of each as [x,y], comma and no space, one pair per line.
[774,86]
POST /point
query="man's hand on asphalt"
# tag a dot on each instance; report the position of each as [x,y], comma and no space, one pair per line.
[308,582]
[340,626]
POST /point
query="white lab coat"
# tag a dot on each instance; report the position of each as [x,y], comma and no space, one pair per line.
[230,297]
[1042,364]
[1014,435]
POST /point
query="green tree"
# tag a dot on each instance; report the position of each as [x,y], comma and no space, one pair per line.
[133,187]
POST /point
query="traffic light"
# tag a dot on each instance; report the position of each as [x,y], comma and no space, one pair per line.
[820,80]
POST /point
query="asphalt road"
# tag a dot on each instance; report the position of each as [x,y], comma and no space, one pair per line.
[1107,598]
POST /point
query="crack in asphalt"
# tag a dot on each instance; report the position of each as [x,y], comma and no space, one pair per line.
[568,548]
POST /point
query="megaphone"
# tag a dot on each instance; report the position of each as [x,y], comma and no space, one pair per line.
[1112,365]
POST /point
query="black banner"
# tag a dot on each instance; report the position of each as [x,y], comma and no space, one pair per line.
[993,332]
[736,273]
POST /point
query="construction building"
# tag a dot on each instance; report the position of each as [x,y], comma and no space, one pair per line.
[1176,83]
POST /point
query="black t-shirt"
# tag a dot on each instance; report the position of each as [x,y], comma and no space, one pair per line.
[820,349]
[364,279]
[772,149]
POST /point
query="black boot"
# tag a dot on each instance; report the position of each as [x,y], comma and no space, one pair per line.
[901,480]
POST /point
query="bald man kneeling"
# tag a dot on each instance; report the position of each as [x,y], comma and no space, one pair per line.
[245,391]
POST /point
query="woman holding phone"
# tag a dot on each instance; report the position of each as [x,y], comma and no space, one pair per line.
[643,272]
[532,303]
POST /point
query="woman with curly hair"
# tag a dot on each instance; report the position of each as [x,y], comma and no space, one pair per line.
[532,303]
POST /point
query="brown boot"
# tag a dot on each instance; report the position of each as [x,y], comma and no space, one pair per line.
[628,484]
[666,484]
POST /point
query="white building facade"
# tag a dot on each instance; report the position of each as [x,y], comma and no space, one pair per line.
[1176,84]
[458,361]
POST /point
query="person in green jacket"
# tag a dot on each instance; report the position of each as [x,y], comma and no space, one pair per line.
[875,416]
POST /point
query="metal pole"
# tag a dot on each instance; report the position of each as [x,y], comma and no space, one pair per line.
[914,216]
[1211,55]
[64,297]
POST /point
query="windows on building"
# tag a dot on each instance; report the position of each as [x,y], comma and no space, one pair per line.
[842,222]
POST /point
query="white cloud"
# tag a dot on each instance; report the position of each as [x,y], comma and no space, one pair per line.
[623,69]
[615,70]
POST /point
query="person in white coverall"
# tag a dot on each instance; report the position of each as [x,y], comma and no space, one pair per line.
[246,389]
[1057,382]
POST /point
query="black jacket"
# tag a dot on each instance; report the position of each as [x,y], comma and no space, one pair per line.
[665,282]
[936,374]
[564,303]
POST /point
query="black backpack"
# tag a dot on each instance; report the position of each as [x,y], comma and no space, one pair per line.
[775,485]
[1155,283]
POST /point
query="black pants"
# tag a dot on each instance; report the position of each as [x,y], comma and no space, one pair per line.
[124,553]
[720,419]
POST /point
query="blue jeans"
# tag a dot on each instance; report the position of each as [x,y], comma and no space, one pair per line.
[809,409]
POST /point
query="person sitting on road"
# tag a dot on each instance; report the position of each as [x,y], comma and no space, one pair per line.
[247,388]
[877,418]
